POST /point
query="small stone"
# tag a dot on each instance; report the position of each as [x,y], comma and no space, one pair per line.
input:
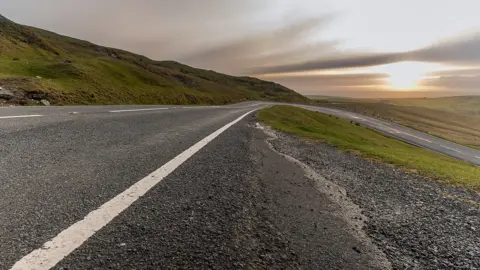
[356,249]
[45,102]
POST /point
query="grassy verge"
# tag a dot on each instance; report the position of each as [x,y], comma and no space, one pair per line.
[370,144]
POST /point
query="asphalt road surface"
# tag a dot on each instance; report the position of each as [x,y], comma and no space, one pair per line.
[94,187]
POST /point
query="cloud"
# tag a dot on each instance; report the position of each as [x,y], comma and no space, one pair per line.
[459,80]
[455,72]
[341,61]
[464,50]
[161,29]
[457,51]
[333,84]
[282,45]
[344,80]
[373,85]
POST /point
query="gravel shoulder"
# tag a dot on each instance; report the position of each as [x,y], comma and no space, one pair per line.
[418,223]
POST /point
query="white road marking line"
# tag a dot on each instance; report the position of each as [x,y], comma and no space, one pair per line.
[357,117]
[53,251]
[20,116]
[386,128]
[477,157]
[392,129]
[138,110]
[420,138]
[449,148]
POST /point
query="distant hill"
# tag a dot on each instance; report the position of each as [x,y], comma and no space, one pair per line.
[36,64]
[469,105]
[460,104]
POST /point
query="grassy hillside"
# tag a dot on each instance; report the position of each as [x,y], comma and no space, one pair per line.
[36,64]
[368,143]
[462,104]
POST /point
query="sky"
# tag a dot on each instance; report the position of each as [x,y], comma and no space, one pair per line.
[358,48]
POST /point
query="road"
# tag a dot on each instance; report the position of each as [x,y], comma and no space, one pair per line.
[403,133]
[89,187]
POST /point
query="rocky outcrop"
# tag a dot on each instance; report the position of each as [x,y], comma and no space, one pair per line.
[6,94]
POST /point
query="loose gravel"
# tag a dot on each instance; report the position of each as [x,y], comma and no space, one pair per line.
[417,222]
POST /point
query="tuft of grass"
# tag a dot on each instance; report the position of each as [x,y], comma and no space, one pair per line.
[370,144]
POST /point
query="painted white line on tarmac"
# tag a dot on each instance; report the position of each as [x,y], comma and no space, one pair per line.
[449,148]
[393,130]
[477,157]
[53,251]
[20,116]
[356,117]
[139,110]
[420,138]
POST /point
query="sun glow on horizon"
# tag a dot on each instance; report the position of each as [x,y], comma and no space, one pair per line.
[404,80]
[405,75]
[396,77]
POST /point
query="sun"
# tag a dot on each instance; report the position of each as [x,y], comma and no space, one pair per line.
[404,75]
[404,80]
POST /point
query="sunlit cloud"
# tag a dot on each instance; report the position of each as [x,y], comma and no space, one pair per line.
[406,71]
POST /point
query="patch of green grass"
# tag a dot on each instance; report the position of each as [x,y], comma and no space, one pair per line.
[370,144]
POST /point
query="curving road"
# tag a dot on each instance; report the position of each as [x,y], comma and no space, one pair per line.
[403,133]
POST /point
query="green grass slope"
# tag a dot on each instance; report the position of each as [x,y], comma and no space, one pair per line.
[368,143]
[36,64]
